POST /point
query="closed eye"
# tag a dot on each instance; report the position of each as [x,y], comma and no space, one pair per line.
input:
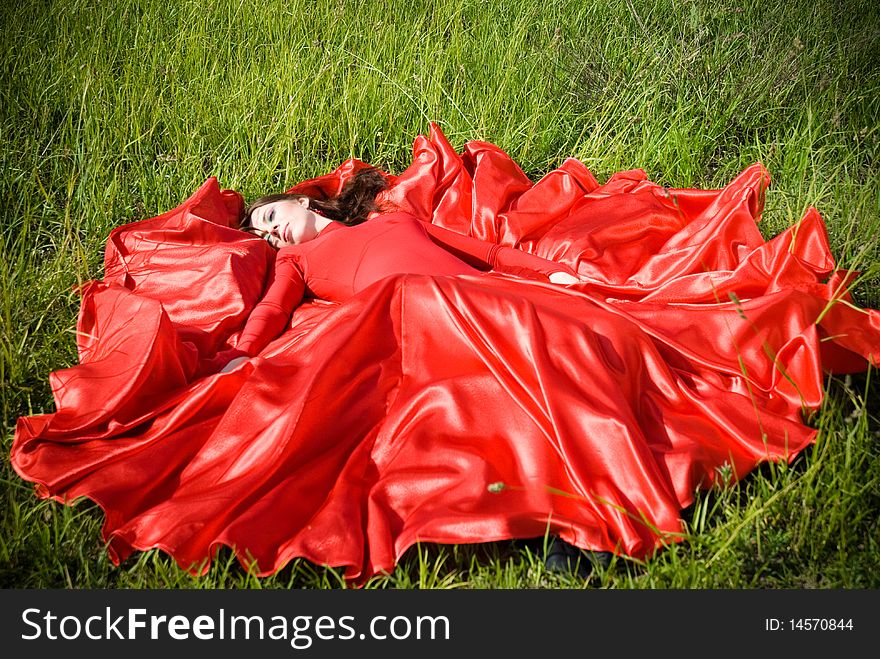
[260,234]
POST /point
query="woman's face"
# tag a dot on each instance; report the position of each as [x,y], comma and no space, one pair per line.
[285,222]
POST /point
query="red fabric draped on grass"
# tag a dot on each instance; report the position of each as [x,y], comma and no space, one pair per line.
[447,409]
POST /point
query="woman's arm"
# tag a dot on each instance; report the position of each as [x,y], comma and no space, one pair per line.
[268,319]
[481,254]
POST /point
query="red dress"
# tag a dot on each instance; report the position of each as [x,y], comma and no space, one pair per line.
[440,405]
[342,261]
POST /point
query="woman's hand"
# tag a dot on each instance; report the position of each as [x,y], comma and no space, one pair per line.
[233,363]
[563,278]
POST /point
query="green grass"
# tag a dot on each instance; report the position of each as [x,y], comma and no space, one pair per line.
[114,112]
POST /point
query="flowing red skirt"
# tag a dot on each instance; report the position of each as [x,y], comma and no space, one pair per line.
[448,409]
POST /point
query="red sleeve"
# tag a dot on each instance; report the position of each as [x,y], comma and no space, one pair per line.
[484,255]
[268,319]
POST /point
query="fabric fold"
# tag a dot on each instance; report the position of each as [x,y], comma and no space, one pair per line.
[447,408]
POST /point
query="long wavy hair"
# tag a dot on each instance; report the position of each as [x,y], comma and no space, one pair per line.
[351,206]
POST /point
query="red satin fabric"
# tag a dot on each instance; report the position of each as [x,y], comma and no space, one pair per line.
[448,409]
[344,260]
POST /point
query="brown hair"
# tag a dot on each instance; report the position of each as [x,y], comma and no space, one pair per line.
[351,206]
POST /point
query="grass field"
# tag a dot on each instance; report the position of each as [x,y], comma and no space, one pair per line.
[114,112]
